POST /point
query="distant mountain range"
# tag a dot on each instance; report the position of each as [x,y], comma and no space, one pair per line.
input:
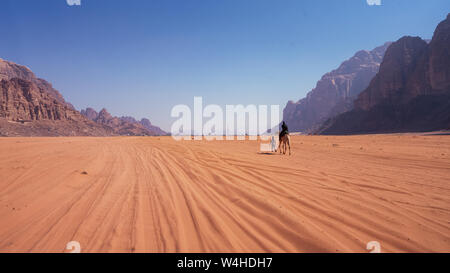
[30,106]
[398,87]
[335,91]
[411,91]
[123,125]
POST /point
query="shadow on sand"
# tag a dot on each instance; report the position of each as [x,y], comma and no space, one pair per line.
[267,153]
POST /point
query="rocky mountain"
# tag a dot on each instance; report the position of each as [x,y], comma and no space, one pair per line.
[30,106]
[147,124]
[89,113]
[335,91]
[411,92]
[395,75]
[123,125]
[28,109]
[10,70]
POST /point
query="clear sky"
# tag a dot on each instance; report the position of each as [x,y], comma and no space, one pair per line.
[142,57]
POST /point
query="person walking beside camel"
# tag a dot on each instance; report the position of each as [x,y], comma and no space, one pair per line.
[273,144]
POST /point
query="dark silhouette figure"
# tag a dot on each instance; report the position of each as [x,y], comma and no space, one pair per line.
[284,130]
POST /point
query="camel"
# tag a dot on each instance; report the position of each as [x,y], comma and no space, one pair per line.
[285,140]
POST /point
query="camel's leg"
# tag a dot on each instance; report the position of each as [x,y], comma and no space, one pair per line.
[289,143]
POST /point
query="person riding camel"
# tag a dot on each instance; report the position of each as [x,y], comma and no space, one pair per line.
[284,130]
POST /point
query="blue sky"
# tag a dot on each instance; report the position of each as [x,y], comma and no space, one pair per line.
[142,57]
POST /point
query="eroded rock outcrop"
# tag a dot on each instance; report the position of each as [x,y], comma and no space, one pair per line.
[10,70]
[411,92]
[335,91]
[123,125]
[27,109]
[30,106]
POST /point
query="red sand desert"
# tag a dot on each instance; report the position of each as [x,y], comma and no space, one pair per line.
[154,194]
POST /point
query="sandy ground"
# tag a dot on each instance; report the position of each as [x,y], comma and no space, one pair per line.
[150,194]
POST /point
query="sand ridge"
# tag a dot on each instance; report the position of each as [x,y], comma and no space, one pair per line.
[154,194]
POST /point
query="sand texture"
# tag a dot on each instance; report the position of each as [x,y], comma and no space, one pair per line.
[154,194]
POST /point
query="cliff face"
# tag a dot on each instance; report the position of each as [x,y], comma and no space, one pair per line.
[27,109]
[30,106]
[411,92]
[25,100]
[335,91]
[439,57]
[10,70]
[393,81]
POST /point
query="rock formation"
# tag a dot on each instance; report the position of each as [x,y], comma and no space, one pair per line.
[147,124]
[89,113]
[30,106]
[10,70]
[123,125]
[28,109]
[335,91]
[411,92]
